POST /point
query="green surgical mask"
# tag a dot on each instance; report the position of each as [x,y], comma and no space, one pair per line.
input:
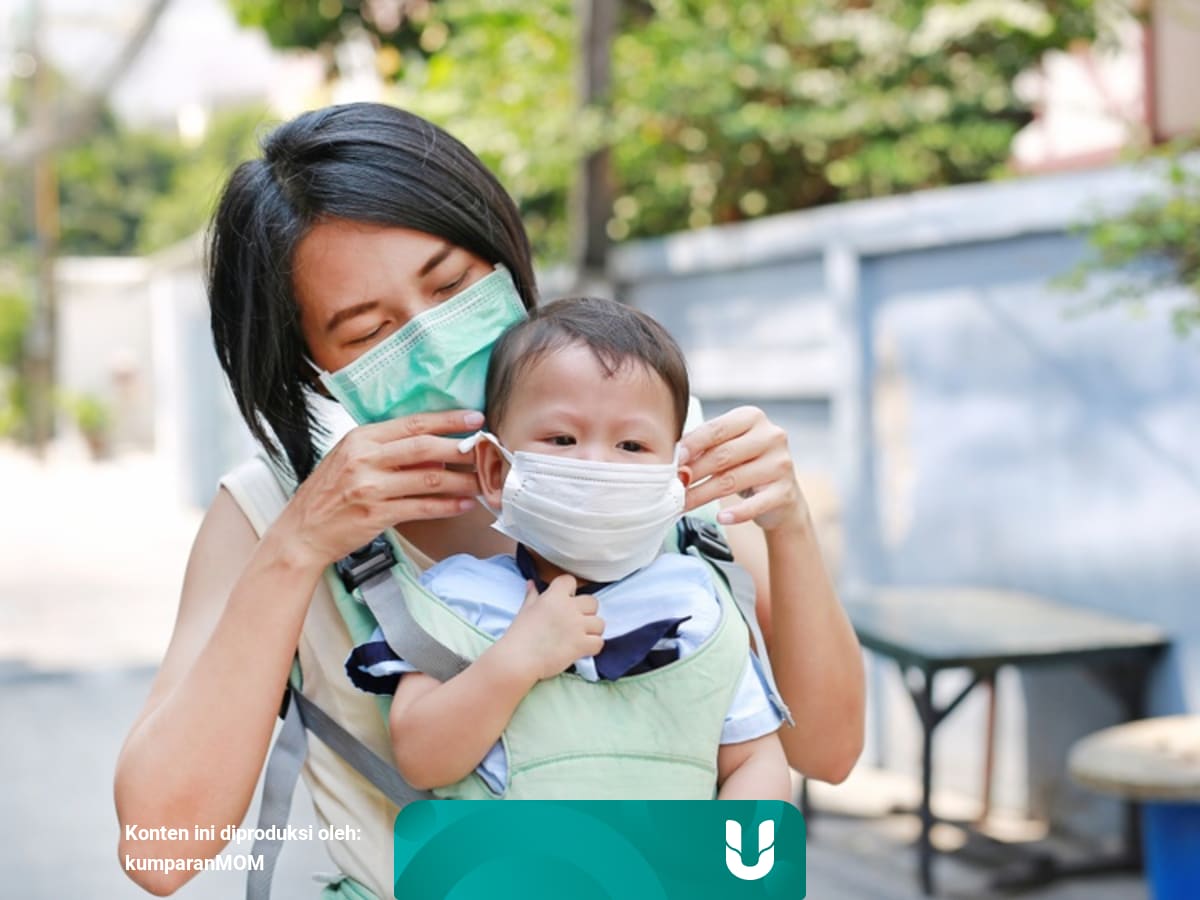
[437,361]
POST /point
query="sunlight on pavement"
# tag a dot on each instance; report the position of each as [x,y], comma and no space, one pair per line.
[91,558]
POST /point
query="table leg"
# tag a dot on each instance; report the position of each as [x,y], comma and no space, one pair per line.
[989,749]
[930,717]
[925,847]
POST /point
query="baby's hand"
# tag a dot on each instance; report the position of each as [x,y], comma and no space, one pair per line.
[554,628]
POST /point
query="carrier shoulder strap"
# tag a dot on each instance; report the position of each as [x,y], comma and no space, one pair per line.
[370,571]
[702,538]
[261,491]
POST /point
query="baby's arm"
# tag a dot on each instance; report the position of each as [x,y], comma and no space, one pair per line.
[753,770]
[441,731]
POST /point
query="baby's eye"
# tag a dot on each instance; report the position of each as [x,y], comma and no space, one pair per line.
[562,440]
[631,446]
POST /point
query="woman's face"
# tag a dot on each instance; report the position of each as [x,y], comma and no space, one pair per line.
[357,283]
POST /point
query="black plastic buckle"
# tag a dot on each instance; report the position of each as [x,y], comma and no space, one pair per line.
[705,537]
[365,563]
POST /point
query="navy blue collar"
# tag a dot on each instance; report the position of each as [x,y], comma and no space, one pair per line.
[528,568]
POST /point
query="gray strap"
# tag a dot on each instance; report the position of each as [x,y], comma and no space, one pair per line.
[405,635]
[283,770]
[741,586]
[279,783]
[365,761]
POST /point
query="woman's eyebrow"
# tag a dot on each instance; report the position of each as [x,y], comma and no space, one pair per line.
[349,312]
[432,262]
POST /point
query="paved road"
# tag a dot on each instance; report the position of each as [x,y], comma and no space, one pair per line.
[58,830]
[91,557]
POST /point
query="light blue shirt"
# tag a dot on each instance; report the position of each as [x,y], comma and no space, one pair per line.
[489,592]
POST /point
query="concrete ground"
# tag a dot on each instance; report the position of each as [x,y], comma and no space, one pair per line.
[91,556]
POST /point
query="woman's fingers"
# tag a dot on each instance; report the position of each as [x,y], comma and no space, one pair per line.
[426,482]
[759,503]
[408,509]
[743,455]
[722,459]
[452,421]
[715,433]
[747,478]
[421,450]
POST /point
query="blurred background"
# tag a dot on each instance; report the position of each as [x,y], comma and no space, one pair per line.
[953,247]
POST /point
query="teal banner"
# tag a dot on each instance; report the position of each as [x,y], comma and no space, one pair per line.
[599,850]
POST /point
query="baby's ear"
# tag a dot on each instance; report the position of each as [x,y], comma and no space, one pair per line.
[685,475]
[490,469]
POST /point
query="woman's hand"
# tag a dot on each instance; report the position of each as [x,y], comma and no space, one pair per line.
[744,454]
[375,477]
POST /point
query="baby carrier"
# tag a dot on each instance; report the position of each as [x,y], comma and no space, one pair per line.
[378,585]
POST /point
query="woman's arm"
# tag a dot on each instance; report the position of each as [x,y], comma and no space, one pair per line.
[441,731]
[813,650]
[194,753]
[753,770]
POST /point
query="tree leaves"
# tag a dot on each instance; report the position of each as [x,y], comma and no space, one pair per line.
[720,110]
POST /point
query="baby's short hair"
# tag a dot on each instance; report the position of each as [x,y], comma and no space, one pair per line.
[616,334]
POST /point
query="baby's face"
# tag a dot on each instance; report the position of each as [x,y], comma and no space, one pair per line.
[565,405]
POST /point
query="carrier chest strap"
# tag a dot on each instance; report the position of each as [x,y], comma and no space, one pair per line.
[700,538]
[385,599]
[741,586]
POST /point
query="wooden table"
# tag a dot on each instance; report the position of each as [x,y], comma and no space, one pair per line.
[928,630]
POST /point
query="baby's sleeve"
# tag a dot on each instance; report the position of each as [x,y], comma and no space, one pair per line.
[374,667]
[751,713]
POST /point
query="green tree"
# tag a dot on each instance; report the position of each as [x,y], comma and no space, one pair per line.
[1153,245]
[199,172]
[126,191]
[720,110]
[14,325]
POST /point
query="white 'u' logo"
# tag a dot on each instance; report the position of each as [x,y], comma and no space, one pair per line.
[733,850]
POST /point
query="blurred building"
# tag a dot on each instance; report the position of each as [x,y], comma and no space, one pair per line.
[1135,86]
[954,422]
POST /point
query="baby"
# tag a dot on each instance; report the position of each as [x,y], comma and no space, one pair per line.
[586,402]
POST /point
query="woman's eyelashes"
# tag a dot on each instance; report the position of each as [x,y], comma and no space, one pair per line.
[452,286]
[439,293]
[374,332]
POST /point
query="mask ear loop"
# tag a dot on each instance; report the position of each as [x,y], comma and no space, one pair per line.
[467,444]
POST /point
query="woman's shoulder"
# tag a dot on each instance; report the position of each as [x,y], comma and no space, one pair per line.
[255,488]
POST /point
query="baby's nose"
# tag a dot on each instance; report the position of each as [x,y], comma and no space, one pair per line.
[596,453]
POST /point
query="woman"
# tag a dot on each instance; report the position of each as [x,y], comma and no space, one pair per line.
[357,219]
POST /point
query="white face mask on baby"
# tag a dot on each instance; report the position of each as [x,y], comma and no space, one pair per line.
[597,520]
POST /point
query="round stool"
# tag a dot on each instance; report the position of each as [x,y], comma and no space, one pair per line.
[1155,762]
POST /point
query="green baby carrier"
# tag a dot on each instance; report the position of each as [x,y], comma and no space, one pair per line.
[378,585]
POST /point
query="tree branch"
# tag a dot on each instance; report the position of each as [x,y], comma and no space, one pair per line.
[81,116]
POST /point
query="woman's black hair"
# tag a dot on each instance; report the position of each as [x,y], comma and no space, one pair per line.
[362,162]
